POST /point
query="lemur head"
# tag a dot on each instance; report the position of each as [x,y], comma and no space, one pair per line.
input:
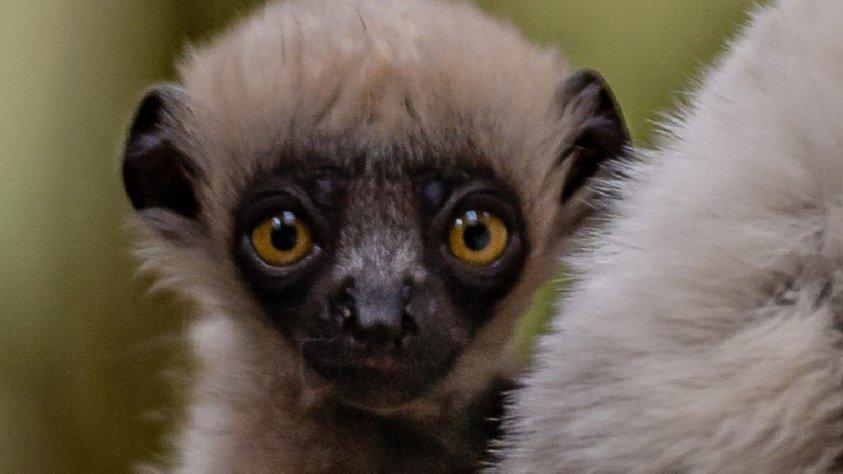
[382,185]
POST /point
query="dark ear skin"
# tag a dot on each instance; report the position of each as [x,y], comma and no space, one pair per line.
[600,133]
[597,136]
[155,173]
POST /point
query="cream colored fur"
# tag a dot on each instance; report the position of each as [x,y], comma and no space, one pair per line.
[321,76]
[705,332]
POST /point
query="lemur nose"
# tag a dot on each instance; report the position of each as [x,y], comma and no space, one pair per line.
[376,314]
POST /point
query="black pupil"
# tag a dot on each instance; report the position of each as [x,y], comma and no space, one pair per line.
[477,237]
[283,235]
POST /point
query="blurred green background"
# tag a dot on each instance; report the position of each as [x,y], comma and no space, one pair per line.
[87,360]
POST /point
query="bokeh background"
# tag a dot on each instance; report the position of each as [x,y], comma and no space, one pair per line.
[88,361]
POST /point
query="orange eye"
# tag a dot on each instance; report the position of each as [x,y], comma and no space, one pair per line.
[478,238]
[282,240]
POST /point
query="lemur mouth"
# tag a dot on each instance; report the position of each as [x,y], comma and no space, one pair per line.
[339,358]
[383,356]
[373,376]
[379,363]
[374,360]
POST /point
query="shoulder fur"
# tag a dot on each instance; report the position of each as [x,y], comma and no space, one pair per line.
[705,332]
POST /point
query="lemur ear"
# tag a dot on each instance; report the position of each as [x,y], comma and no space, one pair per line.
[598,129]
[595,135]
[155,173]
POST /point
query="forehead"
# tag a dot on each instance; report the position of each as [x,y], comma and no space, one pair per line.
[373,82]
[378,164]
[377,179]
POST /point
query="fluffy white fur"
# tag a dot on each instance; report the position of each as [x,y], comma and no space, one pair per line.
[705,332]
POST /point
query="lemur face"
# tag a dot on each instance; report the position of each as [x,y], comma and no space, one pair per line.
[379,272]
[385,208]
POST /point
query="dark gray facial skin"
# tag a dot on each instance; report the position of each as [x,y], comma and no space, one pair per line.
[381,307]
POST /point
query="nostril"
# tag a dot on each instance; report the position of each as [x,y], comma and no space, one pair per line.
[345,305]
[346,315]
[349,291]
[406,291]
[408,325]
[409,306]
[408,319]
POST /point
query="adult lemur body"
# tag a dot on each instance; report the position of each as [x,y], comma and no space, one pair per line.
[360,197]
[705,332]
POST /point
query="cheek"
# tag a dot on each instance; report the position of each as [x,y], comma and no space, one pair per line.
[293,304]
[312,317]
[445,322]
[293,311]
